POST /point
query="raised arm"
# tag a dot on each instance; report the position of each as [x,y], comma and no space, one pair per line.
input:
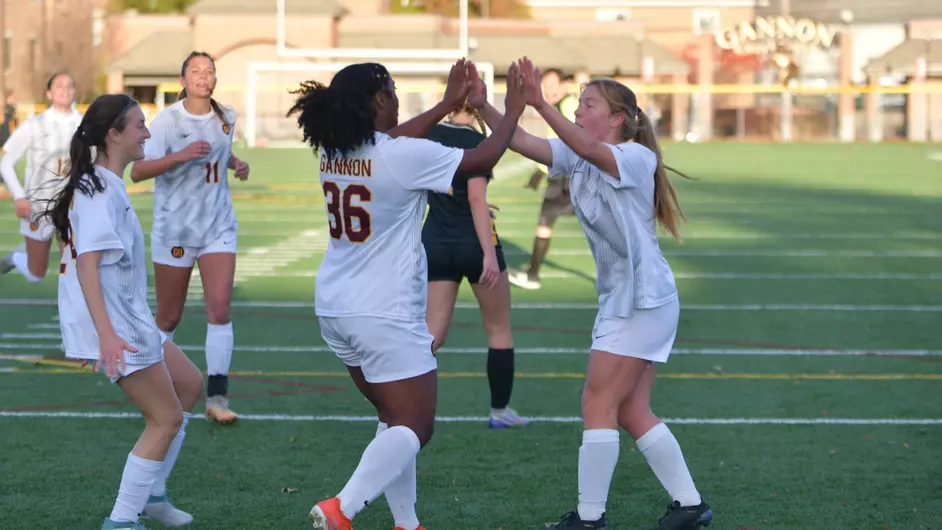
[578,139]
[531,146]
[485,156]
[455,93]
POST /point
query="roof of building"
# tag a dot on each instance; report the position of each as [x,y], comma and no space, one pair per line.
[292,7]
[593,54]
[862,11]
[159,54]
[901,60]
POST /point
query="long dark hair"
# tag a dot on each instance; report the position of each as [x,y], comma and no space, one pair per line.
[212,102]
[105,113]
[339,118]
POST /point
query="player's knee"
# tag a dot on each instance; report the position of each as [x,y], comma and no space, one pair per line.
[217,311]
[167,422]
[168,320]
[190,389]
[421,423]
[424,429]
[599,407]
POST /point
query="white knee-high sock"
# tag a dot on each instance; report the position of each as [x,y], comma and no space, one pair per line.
[219,344]
[160,486]
[387,456]
[165,335]
[21,262]
[401,494]
[598,457]
[663,454]
[136,484]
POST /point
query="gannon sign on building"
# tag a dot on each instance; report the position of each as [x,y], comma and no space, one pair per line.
[767,34]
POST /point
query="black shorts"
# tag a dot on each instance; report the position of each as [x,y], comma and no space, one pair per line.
[450,261]
[556,201]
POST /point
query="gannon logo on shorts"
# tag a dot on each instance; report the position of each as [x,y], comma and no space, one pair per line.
[34,226]
[176,252]
[226,128]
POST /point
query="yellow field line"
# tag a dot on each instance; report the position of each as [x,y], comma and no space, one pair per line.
[534,375]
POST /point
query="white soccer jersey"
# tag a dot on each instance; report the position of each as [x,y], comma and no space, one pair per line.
[192,203]
[107,222]
[617,215]
[375,264]
[45,140]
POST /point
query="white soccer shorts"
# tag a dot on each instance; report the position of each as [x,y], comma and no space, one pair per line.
[176,256]
[38,228]
[386,350]
[649,334]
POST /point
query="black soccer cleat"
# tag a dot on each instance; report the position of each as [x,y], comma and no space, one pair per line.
[685,517]
[572,521]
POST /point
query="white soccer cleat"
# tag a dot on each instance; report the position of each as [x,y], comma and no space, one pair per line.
[217,409]
[522,280]
[507,420]
[162,510]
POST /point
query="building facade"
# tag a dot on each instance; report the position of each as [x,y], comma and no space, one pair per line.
[42,37]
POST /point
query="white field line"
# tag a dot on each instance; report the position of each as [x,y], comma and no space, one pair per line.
[478,419]
[54,346]
[570,234]
[691,275]
[770,276]
[39,302]
[779,253]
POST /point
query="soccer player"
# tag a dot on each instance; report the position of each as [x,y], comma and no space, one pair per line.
[44,140]
[619,188]
[103,309]
[189,154]
[371,287]
[460,239]
[556,201]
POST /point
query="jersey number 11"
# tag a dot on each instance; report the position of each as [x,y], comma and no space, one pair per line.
[212,172]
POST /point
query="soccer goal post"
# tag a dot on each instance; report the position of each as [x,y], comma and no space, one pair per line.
[253,88]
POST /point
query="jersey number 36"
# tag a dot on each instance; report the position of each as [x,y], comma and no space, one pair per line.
[343,212]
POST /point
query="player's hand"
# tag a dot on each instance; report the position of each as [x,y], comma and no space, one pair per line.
[22,208]
[515,101]
[456,91]
[531,82]
[112,355]
[491,271]
[242,170]
[196,150]
[477,95]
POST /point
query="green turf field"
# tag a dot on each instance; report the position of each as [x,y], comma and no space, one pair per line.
[805,389]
